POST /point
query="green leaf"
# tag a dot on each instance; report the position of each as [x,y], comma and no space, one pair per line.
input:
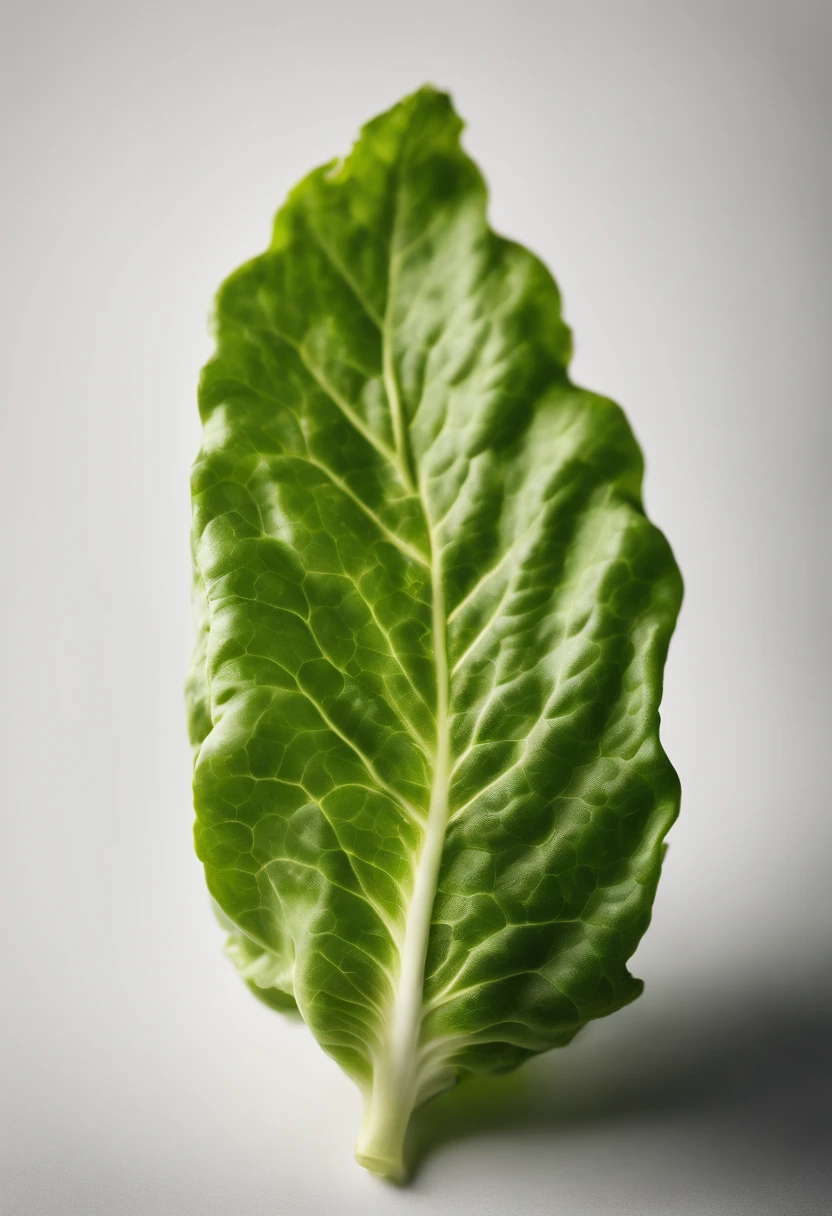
[429,787]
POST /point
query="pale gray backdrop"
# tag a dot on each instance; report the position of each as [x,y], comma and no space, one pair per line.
[672,164]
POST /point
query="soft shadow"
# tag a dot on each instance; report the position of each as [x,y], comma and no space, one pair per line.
[756,1068]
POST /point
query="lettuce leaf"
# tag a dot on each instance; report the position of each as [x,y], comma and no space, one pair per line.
[432,623]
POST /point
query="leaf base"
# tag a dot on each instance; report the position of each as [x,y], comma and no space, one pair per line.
[380,1146]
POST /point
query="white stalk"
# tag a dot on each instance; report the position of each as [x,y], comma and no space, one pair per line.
[399,1083]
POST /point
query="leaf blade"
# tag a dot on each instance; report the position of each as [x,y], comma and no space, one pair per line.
[433,789]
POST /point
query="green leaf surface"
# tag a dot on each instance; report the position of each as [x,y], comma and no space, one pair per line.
[433,618]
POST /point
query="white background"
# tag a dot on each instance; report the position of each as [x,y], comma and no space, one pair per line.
[671,162]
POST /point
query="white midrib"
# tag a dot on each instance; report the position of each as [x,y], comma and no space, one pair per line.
[397,1082]
[396,1077]
[408,1004]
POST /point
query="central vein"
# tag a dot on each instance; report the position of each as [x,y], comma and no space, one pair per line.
[397,1084]
[408,1002]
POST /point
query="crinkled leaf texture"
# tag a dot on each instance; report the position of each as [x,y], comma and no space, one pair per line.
[433,619]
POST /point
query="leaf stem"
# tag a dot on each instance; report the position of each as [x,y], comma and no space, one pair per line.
[399,1082]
